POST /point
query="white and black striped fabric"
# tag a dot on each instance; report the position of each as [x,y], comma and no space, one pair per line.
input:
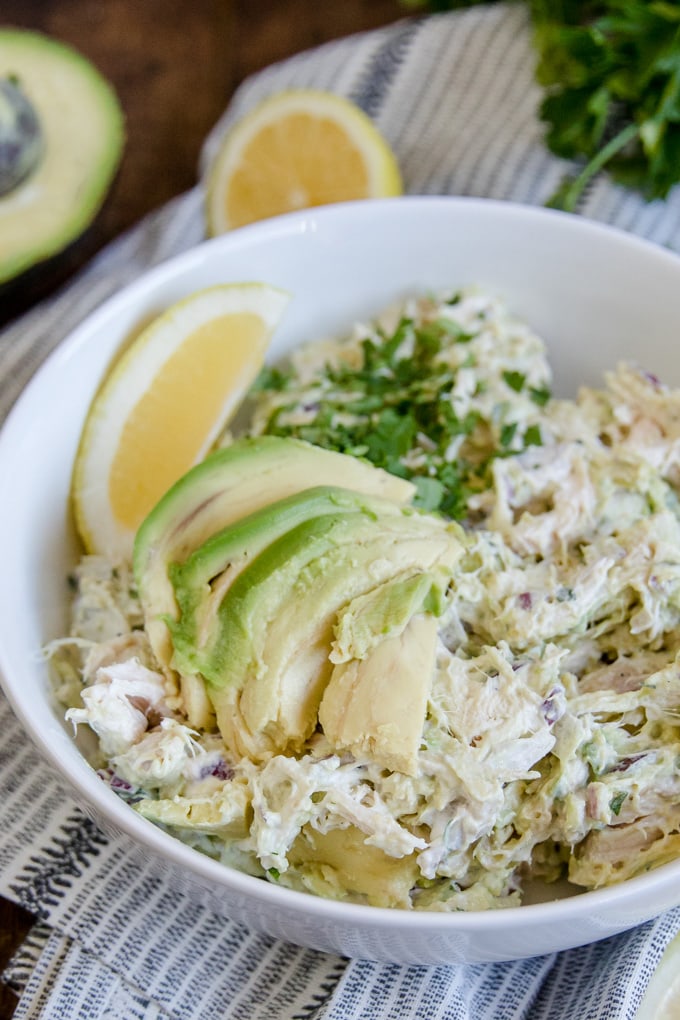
[454,94]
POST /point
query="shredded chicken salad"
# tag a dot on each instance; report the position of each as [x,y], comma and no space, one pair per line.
[549,742]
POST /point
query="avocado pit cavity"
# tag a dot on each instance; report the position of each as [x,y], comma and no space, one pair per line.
[21,136]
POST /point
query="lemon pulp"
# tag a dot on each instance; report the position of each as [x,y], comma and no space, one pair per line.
[316,164]
[297,149]
[145,465]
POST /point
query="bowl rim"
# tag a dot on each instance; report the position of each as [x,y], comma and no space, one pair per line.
[141,831]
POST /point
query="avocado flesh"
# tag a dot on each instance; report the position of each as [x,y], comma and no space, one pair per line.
[375,707]
[83,137]
[230,484]
[338,862]
[269,661]
[385,612]
[225,814]
[202,581]
[284,700]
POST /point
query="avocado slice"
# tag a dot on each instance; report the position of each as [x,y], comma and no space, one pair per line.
[228,485]
[267,661]
[201,582]
[61,139]
[375,706]
[341,863]
[385,612]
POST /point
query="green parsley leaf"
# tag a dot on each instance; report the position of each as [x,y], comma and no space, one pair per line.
[429,493]
[272,378]
[616,803]
[532,436]
[508,434]
[515,380]
[611,72]
[540,395]
[391,438]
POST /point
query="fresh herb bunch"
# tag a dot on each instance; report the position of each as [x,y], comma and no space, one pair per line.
[611,74]
[612,77]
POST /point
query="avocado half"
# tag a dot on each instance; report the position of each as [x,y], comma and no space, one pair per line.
[61,140]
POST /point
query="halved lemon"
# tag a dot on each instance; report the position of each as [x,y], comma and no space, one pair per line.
[164,403]
[297,149]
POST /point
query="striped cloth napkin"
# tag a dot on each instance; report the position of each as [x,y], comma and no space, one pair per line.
[454,95]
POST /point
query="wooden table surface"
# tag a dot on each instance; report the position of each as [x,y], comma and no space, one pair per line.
[174,65]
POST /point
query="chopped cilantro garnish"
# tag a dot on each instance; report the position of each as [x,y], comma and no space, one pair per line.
[453,329]
[429,493]
[271,378]
[391,438]
[508,433]
[532,436]
[515,380]
[397,409]
[540,395]
[616,802]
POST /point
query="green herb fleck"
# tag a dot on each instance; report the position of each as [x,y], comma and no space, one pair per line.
[272,378]
[515,380]
[532,436]
[508,434]
[540,395]
[429,493]
[616,802]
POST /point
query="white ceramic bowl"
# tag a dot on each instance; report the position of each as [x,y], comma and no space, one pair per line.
[596,295]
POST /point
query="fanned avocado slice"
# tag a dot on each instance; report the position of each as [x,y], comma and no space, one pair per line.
[375,706]
[228,485]
[267,658]
[202,581]
[61,140]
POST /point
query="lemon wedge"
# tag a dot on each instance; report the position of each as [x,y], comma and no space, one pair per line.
[297,149]
[163,404]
